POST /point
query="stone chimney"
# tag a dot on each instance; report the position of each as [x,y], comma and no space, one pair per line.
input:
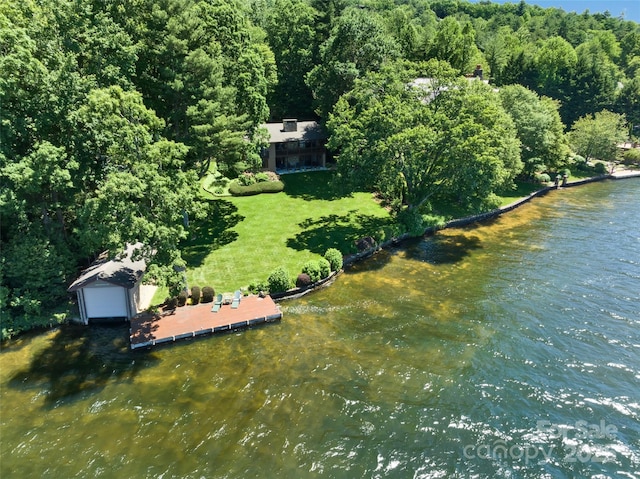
[478,72]
[290,125]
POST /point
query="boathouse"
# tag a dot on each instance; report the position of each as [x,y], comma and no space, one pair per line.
[109,289]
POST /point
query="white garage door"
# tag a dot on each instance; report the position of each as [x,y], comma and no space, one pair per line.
[106,302]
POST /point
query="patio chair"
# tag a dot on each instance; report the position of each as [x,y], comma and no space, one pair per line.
[217,304]
[236,299]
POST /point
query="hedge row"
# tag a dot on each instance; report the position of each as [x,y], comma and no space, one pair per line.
[263,187]
[204,295]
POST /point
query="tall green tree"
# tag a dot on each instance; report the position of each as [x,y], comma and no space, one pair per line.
[598,136]
[358,44]
[203,65]
[23,92]
[291,35]
[628,103]
[555,63]
[455,44]
[498,48]
[539,128]
[593,84]
[630,51]
[328,13]
[411,143]
[137,188]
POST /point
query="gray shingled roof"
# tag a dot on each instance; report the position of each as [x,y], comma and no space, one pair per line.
[307,130]
[121,271]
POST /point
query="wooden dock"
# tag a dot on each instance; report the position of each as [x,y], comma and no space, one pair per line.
[190,321]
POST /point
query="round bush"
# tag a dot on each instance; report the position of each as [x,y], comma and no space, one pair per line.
[195,294]
[632,157]
[207,294]
[256,287]
[325,268]
[334,257]
[261,177]
[580,163]
[600,168]
[182,298]
[246,179]
[279,280]
[303,280]
[171,302]
[312,268]
[543,178]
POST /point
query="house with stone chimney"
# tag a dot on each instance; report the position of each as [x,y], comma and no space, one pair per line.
[295,146]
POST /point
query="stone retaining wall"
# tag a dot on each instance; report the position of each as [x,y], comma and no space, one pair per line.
[295,293]
[350,260]
[479,218]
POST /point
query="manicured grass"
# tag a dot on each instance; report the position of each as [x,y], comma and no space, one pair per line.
[448,210]
[246,238]
[522,189]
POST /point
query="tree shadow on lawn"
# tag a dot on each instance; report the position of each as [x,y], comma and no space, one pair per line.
[316,185]
[337,231]
[82,360]
[211,233]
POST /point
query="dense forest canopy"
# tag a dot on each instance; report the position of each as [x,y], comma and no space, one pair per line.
[110,110]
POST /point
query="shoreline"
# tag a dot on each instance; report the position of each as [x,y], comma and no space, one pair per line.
[352,259]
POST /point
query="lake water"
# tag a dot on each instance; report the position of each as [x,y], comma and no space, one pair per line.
[507,350]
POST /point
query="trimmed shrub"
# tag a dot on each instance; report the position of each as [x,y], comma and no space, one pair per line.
[313,270]
[580,163]
[261,177]
[256,287]
[195,294]
[565,172]
[279,280]
[246,179]
[303,280]
[271,187]
[334,257]
[631,157]
[207,294]
[542,178]
[600,168]
[325,268]
[182,298]
[265,187]
[171,302]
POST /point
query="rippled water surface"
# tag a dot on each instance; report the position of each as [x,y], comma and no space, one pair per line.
[506,350]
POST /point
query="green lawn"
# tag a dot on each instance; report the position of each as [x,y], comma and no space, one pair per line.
[522,189]
[246,238]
